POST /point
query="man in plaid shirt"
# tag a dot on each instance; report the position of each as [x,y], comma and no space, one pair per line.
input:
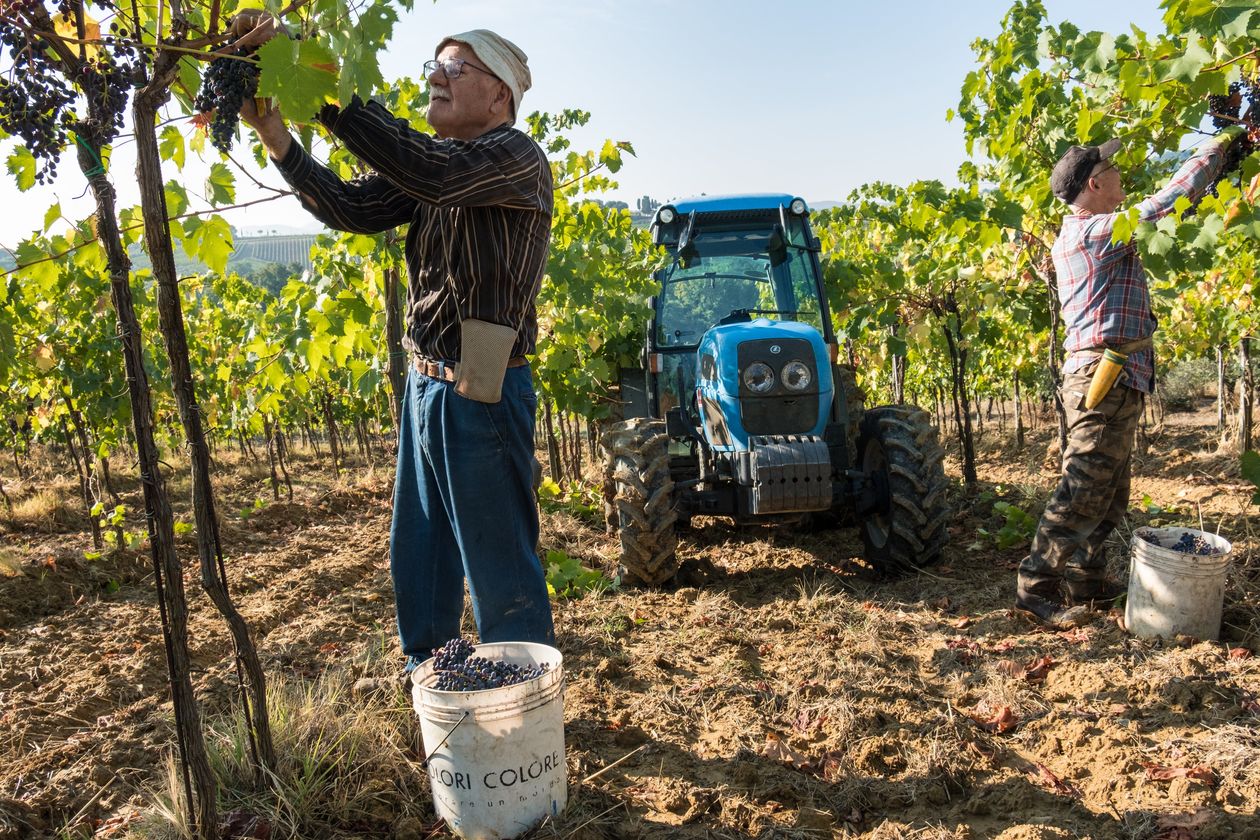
[1106,304]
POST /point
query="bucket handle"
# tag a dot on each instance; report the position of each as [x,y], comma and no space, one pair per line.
[463,717]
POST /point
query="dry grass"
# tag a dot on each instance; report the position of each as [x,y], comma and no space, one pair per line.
[344,763]
[48,507]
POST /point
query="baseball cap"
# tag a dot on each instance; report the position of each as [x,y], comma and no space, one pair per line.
[1072,171]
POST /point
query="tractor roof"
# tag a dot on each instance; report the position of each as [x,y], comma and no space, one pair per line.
[727,203]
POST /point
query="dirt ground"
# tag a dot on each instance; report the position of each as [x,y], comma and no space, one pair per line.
[794,695]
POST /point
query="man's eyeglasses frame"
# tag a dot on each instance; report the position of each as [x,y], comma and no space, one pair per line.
[452,68]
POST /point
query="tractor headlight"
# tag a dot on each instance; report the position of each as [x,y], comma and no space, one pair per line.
[797,206]
[759,377]
[665,215]
[796,376]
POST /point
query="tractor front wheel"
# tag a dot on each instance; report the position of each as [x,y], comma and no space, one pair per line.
[640,500]
[905,515]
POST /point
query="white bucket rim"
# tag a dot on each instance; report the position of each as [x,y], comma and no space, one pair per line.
[1226,546]
[487,702]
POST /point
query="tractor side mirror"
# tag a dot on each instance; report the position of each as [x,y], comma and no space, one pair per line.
[776,246]
[687,255]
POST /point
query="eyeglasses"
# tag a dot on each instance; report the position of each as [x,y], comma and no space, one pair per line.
[450,67]
[1107,164]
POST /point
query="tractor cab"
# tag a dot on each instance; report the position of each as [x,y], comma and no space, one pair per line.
[735,260]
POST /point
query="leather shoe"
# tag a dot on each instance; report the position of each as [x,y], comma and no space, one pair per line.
[1101,591]
[1051,613]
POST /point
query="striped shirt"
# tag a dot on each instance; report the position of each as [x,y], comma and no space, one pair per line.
[1102,286]
[479,214]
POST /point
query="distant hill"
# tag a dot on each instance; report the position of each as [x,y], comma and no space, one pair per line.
[252,253]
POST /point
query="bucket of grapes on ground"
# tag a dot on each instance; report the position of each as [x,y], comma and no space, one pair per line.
[1176,583]
[492,719]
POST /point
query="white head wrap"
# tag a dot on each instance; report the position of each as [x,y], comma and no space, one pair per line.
[503,58]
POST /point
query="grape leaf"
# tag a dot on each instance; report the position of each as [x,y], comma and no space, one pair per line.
[51,215]
[1251,472]
[221,185]
[22,164]
[292,75]
[208,240]
[171,146]
[1186,68]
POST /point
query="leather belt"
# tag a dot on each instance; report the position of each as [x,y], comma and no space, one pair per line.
[445,371]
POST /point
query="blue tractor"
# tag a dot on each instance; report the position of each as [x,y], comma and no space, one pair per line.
[739,408]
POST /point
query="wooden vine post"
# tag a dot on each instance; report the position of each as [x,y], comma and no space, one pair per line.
[157,237]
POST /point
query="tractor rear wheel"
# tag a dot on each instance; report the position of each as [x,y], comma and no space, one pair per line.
[640,500]
[904,525]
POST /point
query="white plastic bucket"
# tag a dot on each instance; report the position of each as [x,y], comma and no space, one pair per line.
[1174,593]
[496,757]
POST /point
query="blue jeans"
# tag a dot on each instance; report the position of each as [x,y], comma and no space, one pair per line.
[464,507]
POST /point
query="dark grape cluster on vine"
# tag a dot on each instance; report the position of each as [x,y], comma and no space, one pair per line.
[226,84]
[37,90]
[457,669]
[1240,106]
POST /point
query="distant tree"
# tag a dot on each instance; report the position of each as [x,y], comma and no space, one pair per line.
[646,205]
[273,276]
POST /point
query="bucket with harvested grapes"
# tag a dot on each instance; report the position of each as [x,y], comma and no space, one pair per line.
[492,719]
[1176,583]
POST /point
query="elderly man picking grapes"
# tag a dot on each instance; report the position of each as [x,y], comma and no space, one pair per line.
[1107,312]
[478,201]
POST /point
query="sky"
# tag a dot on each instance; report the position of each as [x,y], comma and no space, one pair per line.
[810,97]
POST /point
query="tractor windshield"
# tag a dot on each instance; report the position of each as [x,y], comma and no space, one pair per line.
[730,272]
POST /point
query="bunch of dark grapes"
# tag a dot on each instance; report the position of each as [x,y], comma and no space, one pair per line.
[227,83]
[34,99]
[1225,111]
[1224,108]
[1190,543]
[458,670]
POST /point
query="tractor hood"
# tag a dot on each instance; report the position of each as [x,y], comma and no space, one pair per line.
[792,395]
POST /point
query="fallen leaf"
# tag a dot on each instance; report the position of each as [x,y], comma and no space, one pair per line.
[1181,826]
[1044,776]
[1239,653]
[829,766]
[112,826]
[776,750]
[963,623]
[966,648]
[943,603]
[1005,645]
[242,825]
[805,722]
[1003,720]
[1009,668]
[1037,669]
[1164,773]
[1076,635]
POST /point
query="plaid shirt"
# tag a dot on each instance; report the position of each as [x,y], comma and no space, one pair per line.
[1102,286]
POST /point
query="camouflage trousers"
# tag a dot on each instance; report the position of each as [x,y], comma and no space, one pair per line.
[1093,493]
